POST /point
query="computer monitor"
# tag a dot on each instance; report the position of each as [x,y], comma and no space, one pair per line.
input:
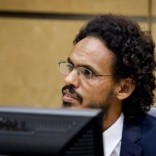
[55,132]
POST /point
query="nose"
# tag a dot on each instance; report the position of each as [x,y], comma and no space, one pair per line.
[72,79]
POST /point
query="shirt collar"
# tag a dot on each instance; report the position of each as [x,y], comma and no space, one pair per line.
[112,136]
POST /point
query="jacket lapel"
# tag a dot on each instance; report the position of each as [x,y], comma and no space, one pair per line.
[129,148]
[131,134]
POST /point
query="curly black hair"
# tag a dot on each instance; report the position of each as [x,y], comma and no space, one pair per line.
[134,58]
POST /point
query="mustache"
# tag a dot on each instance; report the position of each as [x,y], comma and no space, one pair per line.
[71,90]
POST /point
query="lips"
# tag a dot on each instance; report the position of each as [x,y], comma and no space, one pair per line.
[69,97]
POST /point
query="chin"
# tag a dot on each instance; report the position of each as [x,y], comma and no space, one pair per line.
[73,105]
[66,104]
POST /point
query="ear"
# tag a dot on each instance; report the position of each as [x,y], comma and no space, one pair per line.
[125,88]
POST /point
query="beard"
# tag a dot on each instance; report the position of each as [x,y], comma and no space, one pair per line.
[66,104]
[104,105]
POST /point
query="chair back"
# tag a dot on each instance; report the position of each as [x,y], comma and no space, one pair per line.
[152,111]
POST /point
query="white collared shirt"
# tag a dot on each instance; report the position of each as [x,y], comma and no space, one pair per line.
[112,138]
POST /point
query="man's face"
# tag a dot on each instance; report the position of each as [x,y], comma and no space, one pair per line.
[96,92]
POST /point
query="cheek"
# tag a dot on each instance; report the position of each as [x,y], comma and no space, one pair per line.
[96,92]
[99,94]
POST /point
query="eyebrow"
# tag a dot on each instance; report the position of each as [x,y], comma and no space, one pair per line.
[83,65]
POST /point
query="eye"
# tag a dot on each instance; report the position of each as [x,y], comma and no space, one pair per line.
[86,72]
[69,67]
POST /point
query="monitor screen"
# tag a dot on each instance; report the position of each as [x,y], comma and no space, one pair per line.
[55,132]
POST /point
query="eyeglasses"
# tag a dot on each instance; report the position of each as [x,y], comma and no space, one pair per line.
[66,68]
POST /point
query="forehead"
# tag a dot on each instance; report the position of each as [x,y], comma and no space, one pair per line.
[92,51]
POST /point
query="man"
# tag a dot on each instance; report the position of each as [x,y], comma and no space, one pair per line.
[111,67]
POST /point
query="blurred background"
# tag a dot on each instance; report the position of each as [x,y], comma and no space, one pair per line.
[36,34]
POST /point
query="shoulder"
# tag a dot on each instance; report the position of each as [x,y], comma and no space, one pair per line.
[149,119]
[142,128]
[141,135]
[148,140]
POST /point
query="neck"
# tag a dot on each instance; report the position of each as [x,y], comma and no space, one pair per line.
[110,118]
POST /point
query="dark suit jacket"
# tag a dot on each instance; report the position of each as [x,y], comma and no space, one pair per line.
[139,138]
